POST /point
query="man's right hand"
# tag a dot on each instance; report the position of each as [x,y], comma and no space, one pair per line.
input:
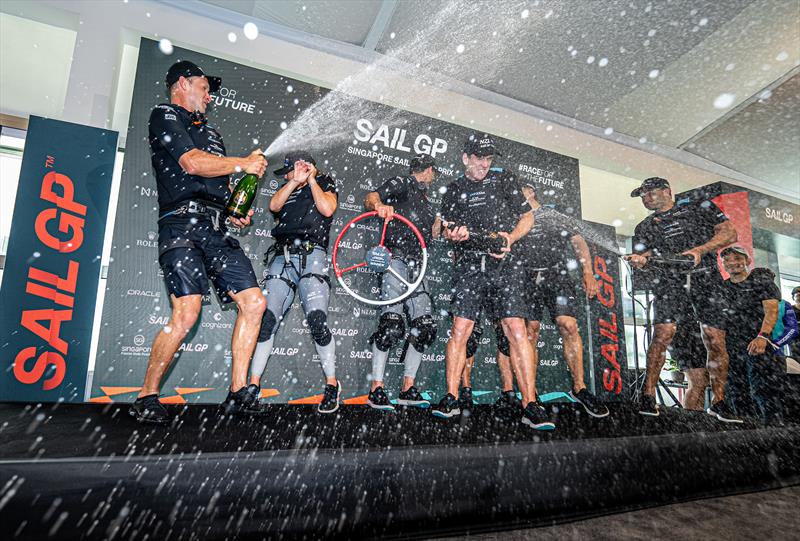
[457,234]
[385,211]
[255,163]
[637,261]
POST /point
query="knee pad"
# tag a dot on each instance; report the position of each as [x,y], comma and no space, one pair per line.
[474,340]
[318,323]
[391,329]
[268,323]
[423,332]
[503,345]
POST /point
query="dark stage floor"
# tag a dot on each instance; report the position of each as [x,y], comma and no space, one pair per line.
[91,471]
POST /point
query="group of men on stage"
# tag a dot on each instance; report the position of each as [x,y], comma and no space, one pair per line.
[511,260]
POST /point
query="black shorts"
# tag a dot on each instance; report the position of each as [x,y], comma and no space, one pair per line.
[192,254]
[700,298]
[553,289]
[497,290]
[687,346]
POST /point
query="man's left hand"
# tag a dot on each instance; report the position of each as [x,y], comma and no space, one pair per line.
[695,253]
[241,223]
[590,285]
[757,346]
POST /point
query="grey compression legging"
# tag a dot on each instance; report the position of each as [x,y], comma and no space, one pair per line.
[284,276]
[416,306]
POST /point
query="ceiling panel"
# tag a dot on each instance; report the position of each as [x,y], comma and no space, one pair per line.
[574,58]
[761,140]
[347,21]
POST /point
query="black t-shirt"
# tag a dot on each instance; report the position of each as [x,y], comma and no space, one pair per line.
[547,245]
[172,134]
[409,198]
[744,312]
[686,225]
[493,204]
[299,217]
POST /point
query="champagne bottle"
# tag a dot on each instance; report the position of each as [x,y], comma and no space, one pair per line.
[242,197]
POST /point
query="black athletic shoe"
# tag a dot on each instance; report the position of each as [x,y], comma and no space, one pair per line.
[508,401]
[242,401]
[590,403]
[413,398]
[721,411]
[446,408]
[253,403]
[535,416]
[148,409]
[647,405]
[377,399]
[330,398]
[465,402]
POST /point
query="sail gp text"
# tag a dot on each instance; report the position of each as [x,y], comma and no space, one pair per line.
[56,285]
[394,138]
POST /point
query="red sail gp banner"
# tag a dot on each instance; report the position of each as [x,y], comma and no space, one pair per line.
[49,287]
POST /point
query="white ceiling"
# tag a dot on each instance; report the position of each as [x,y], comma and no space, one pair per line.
[684,74]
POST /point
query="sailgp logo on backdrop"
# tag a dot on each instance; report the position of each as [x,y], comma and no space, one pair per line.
[395,138]
[226,97]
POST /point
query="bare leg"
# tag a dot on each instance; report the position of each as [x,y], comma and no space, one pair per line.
[521,357]
[695,394]
[251,305]
[657,355]
[573,350]
[456,355]
[717,360]
[466,376]
[185,311]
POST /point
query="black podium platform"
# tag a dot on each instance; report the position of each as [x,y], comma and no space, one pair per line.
[90,471]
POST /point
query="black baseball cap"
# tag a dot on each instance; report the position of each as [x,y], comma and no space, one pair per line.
[650,184]
[291,157]
[421,162]
[481,144]
[187,69]
[795,290]
[735,249]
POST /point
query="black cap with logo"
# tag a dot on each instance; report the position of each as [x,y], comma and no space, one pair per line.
[291,157]
[421,162]
[187,69]
[650,184]
[481,144]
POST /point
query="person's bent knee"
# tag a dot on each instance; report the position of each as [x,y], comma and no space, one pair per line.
[515,331]
[567,325]
[664,334]
[318,323]
[461,331]
[252,304]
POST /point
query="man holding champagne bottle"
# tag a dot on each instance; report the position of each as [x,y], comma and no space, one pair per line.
[192,175]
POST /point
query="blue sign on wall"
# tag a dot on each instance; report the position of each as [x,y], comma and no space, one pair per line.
[49,289]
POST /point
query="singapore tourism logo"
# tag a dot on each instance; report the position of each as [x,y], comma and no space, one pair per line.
[138,340]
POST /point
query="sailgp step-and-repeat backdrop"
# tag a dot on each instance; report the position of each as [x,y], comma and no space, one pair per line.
[251,109]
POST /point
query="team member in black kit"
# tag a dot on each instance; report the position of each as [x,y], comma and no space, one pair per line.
[696,228]
[481,202]
[545,252]
[407,196]
[191,168]
[756,376]
[303,210]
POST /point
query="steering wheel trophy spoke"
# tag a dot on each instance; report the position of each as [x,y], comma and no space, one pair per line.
[397,275]
[378,260]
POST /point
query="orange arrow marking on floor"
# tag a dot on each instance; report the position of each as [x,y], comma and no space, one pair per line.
[358,400]
[316,399]
[266,393]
